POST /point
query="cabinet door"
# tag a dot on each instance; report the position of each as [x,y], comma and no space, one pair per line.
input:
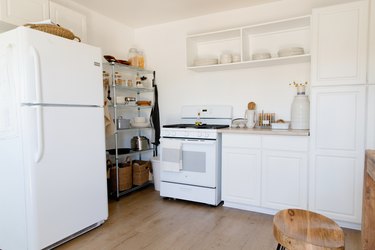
[337,151]
[371,59]
[284,179]
[19,12]
[339,44]
[69,19]
[241,173]
[370,131]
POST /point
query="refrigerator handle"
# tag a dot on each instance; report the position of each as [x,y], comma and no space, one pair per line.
[38,85]
[40,139]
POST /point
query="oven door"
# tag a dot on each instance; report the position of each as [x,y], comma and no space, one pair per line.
[194,161]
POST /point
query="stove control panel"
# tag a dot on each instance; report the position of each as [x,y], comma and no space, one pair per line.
[189,133]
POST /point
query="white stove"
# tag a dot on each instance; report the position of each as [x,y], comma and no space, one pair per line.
[190,154]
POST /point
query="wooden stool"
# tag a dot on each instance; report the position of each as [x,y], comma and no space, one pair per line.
[297,229]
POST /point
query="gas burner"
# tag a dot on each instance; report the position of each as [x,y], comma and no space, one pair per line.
[203,126]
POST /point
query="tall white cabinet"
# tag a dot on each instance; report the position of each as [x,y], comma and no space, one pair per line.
[337,151]
[339,44]
[338,111]
[19,12]
[70,19]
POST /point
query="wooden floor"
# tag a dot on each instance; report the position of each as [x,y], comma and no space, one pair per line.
[143,220]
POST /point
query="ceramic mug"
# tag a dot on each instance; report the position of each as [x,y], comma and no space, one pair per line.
[250,116]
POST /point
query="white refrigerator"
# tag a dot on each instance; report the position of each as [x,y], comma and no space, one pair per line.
[52,143]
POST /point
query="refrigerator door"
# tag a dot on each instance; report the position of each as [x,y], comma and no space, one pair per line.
[13,230]
[66,171]
[55,70]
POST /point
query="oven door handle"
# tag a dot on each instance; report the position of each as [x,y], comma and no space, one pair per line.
[198,142]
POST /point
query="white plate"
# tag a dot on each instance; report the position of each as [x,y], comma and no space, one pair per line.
[205,61]
[293,51]
[140,125]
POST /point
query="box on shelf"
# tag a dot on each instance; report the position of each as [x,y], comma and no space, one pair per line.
[141,170]
[124,176]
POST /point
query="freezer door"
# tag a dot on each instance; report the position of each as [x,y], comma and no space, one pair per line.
[66,169]
[55,70]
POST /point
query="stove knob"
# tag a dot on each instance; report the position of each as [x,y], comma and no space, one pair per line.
[199,134]
[173,133]
[207,135]
[186,134]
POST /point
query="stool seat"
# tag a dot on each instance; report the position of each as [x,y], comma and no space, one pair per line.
[297,229]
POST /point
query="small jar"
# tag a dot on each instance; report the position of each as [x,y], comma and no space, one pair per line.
[118,78]
[141,59]
[133,57]
[138,81]
[105,78]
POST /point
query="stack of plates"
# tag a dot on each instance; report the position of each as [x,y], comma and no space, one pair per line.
[261,56]
[236,58]
[293,51]
[205,61]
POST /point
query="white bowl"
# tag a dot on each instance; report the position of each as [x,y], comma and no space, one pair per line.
[261,56]
[139,119]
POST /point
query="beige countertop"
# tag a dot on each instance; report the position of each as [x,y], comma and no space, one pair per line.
[265,131]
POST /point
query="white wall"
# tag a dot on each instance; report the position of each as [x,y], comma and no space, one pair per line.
[164,46]
[113,37]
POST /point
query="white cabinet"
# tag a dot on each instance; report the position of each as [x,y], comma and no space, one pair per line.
[241,172]
[370,131]
[264,173]
[69,19]
[339,44]
[241,176]
[284,172]
[20,12]
[337,151]
[246,41]
[371,60]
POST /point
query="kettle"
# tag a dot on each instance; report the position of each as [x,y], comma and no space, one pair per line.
[139,143]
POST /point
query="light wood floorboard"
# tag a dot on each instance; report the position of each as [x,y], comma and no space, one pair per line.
[144,220]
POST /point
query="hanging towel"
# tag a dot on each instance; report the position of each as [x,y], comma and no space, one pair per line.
[155,117]
[108,121]
[171,157]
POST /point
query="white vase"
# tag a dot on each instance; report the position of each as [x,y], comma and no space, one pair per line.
[300,118]
[251,118]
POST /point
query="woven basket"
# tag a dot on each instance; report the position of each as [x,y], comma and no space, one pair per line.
[141,170]
[124,176]
[55,30]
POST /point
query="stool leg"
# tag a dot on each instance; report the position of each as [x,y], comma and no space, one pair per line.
[280,247]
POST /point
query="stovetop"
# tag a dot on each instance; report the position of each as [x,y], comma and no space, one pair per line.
[203,126]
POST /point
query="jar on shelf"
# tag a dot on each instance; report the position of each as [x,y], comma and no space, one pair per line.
[141,59]
[138,81]
[133,57]
[105,78]
[118,78]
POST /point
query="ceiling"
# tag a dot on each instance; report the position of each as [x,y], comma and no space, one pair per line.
[141,13]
